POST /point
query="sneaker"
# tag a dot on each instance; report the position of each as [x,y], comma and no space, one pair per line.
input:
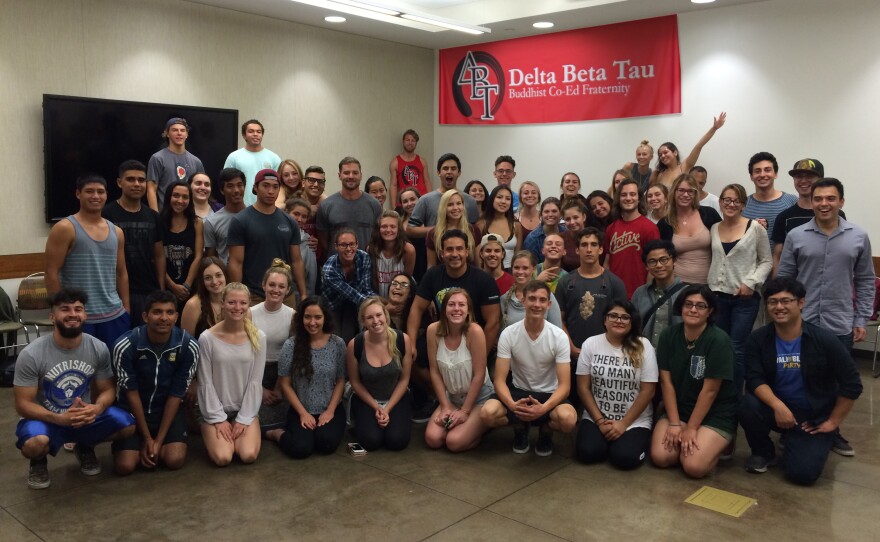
[758,465]
[727,453]
[423,413]
[841,446]
[38,474]
[544,446]
[88,461]
[521,439]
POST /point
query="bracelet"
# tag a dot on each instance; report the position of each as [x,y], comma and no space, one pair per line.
[675,424]
[186,286]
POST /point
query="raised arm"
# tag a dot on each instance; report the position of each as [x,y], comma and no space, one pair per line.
[691,160]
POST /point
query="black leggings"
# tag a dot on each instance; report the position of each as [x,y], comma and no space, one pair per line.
[395,436]
[627,452]
[299,442]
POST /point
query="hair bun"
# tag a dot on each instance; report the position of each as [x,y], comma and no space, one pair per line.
[278,262]
[644,142]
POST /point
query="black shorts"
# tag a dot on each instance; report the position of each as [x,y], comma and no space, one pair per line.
[176,433]
[517,394]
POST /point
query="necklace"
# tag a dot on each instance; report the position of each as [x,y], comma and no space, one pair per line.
[692,343]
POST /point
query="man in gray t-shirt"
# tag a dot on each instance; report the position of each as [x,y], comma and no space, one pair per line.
[53,375]
[173,163]
[350,208]
[231,182]
[424,215]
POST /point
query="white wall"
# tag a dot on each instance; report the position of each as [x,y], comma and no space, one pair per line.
[321,94]
[799,78]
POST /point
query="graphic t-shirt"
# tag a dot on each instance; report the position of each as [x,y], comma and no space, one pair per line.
[411,174]
[583,300]
[62,375]
[166,167]
[789,384]
[624,243]
[614,382]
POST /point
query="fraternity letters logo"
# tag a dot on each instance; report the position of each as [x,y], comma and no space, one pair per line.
[478,80]
[410,176]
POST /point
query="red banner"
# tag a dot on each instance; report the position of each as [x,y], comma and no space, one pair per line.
[619,70]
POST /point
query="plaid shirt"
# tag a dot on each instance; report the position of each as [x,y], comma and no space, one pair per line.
[337,290]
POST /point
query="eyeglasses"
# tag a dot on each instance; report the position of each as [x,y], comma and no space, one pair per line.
[346,246]
[395,284]
[614,317]
[730,202]
[700,306]
[313,180]
[686,191]
[503,171]
[784,301]
[659,261]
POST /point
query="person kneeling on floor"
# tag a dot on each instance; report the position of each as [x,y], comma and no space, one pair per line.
[801,382]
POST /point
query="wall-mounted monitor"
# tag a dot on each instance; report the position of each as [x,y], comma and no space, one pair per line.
[83,135]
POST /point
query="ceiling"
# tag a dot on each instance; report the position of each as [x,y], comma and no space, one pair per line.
[506,18]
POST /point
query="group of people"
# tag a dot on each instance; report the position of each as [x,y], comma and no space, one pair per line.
[299,314]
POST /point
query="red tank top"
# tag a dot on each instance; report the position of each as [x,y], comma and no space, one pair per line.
[410,174]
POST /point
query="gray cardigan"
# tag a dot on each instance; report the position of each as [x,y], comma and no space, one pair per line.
[749,262]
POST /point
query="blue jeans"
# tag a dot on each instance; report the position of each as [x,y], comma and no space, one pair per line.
[805,454]
[736,316]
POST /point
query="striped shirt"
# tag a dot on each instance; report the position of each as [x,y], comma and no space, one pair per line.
[91,266]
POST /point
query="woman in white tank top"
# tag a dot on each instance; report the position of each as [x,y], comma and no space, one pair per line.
[457,363]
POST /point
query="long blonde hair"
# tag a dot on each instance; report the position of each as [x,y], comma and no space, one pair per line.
[253,334]
[672,214]
[443,226]
[390,333]
[288,193]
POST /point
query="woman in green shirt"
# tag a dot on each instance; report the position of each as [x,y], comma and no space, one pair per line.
[696,364]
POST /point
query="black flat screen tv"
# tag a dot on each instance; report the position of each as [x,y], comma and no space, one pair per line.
[90,135]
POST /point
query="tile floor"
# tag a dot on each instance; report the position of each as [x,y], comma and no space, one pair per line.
[418,494]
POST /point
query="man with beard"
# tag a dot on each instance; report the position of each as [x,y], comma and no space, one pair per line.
[350,207]
[408,169]
[54,376]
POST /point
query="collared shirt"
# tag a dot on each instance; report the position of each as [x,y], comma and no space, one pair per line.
[830,267]
[337,289]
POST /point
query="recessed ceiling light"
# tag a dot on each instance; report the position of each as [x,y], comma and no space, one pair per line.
[334,19]
[543,24]
[702,1]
